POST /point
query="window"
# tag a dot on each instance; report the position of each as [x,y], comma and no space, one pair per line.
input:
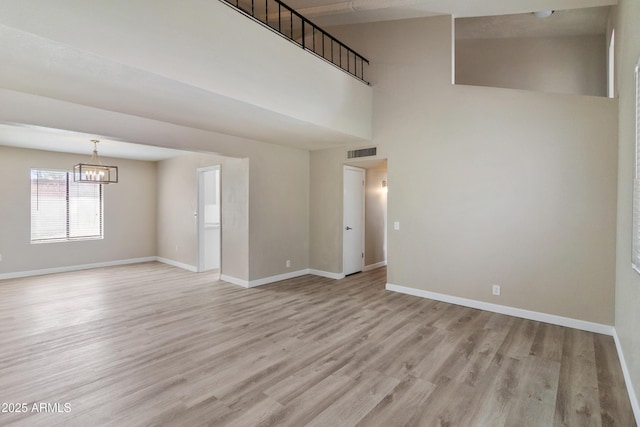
[63,210]
[635,251]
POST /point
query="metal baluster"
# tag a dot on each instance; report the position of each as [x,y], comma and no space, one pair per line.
[357,72]
[332,52]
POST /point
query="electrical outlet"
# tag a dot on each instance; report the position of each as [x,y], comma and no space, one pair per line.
[176,248]
[288,263]
[496,289]
[0,257]
[396,225]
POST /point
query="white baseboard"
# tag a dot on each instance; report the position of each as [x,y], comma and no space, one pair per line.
[510,311]
[234,280]
[264,281]
[254,283]
[194,269]
[279,277]
[374,266]
[68,268]
[182,265]
[633,398]
[327,274]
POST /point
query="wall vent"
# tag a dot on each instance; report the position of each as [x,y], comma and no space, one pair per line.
[362,152]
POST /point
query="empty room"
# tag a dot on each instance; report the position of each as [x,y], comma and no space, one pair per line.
[319,212]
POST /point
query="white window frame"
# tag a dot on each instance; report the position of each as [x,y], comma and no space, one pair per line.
[69,237]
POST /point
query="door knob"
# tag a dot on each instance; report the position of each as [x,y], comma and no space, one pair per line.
[348,228]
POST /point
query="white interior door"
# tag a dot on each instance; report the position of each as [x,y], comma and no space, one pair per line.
[353,220]
[209,218]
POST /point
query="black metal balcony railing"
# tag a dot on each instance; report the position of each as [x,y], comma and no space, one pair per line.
[281,18]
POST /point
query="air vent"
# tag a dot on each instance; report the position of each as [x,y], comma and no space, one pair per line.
[362,152]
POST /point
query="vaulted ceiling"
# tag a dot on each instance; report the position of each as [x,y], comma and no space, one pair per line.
[332,12]
[193,107]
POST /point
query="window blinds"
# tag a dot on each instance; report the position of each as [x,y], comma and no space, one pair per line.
[62,209]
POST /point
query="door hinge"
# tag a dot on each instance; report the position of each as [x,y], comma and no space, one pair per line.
[362,254]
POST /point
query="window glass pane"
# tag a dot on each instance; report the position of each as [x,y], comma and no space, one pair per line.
[48,204]
[62,209]
[85,213]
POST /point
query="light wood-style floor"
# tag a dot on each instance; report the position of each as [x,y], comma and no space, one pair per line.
[151,344]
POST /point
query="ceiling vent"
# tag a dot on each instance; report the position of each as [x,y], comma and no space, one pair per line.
[362,152]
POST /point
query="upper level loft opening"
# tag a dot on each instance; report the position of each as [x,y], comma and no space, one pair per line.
[290,24]
[562,51]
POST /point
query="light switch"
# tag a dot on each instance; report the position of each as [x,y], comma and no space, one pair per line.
[396,225]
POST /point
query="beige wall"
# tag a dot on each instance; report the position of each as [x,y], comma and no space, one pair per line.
[279,173]
[178,200]
[574,65]
[279,211]
[327,210]
[325,217]
[375,217]
[265,211]
[129,214]
[490,186]
[627,25]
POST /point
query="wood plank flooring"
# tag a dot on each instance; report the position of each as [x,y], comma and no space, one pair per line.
[150,344]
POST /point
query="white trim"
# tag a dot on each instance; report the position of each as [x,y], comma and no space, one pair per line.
[234,280]
[361,222]
[191,268]
[374,266]
[200,225]
[327,274]
[510,311]
[68,268]
[263,281]
[277,278]
[266,280]
[453,50]
[627,379]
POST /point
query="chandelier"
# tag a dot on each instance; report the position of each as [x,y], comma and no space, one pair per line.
[95,172]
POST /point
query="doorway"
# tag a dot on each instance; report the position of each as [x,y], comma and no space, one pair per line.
[353,220]
[209,230]
[375,214]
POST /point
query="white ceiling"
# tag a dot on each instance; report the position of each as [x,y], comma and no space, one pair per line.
[572,22]
[333,12]
[87,79]
[84,78]
[40,138]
